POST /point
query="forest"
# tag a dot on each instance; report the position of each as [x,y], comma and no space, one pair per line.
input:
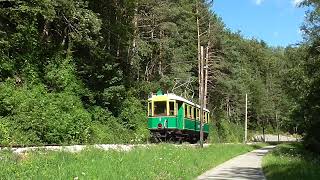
[80,71]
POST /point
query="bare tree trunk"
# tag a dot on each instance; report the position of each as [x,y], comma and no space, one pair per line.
[206,78]
[199,51]
[147,73]
[227,106]
[160,55]
[152,26]
[134,42]
[160,68]
[207,68]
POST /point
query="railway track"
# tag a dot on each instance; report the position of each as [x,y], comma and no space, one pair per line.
[79,148]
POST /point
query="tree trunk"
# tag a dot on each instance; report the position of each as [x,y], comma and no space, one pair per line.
[206,78]
[207,68]
[199,50]
[160,54]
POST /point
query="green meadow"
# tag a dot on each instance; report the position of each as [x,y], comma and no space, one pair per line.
[291,161]
[163,161]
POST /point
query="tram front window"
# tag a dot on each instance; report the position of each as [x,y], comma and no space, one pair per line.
[160,108]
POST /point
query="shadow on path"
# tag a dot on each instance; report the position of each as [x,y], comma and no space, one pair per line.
[247,166]
[237,173]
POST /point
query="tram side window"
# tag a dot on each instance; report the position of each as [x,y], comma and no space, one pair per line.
[186,111]
[204,117]
[198,114]
[150,109]
[190,112]
[194,113]
[171,106]
[160,108]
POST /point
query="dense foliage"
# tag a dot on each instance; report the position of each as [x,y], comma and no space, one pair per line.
[306,75]
[78,71]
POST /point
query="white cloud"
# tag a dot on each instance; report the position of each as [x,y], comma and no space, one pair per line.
[296,2]
[258,2]
[300,32]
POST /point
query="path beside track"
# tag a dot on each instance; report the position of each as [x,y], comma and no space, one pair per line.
[244,167]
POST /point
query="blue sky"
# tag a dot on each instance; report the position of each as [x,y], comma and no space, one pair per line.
[275,21]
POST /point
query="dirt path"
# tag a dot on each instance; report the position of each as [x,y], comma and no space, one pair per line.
[246,166]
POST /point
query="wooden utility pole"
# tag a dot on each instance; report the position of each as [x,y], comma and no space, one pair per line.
[201,96]
[246,122]
[277,127]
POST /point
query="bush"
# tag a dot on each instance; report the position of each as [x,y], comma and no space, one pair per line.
[312,138]
[105,128]
[4,131]
[134,117]
[226,132]
[37,117]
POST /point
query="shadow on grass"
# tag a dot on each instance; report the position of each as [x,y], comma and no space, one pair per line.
[269,143]
[257,146]
[260,145]
[292,161]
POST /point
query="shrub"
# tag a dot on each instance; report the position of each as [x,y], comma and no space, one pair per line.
[225,131]
[38,117]
[4,131]
[133,114]
[105,128]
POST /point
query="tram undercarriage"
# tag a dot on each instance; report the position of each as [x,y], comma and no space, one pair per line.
[175,135]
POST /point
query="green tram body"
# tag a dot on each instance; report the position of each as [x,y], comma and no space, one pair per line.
[173,117]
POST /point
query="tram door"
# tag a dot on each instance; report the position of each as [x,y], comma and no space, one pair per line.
[180,115]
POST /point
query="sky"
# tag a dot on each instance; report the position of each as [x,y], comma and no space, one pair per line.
[277,22]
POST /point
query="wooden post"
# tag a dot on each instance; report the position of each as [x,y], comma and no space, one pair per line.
[201,97]
[246,122]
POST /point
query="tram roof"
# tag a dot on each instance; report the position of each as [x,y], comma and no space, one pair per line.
[171,96]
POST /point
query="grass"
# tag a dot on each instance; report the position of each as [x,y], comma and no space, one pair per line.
[291,161]
[155,162]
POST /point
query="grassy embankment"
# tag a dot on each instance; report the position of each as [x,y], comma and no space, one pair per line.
[155,162]
[291,161]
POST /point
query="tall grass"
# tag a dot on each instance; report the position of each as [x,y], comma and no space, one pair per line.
[291,161]
[154,162]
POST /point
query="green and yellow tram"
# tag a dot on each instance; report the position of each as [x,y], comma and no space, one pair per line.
[174,117]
